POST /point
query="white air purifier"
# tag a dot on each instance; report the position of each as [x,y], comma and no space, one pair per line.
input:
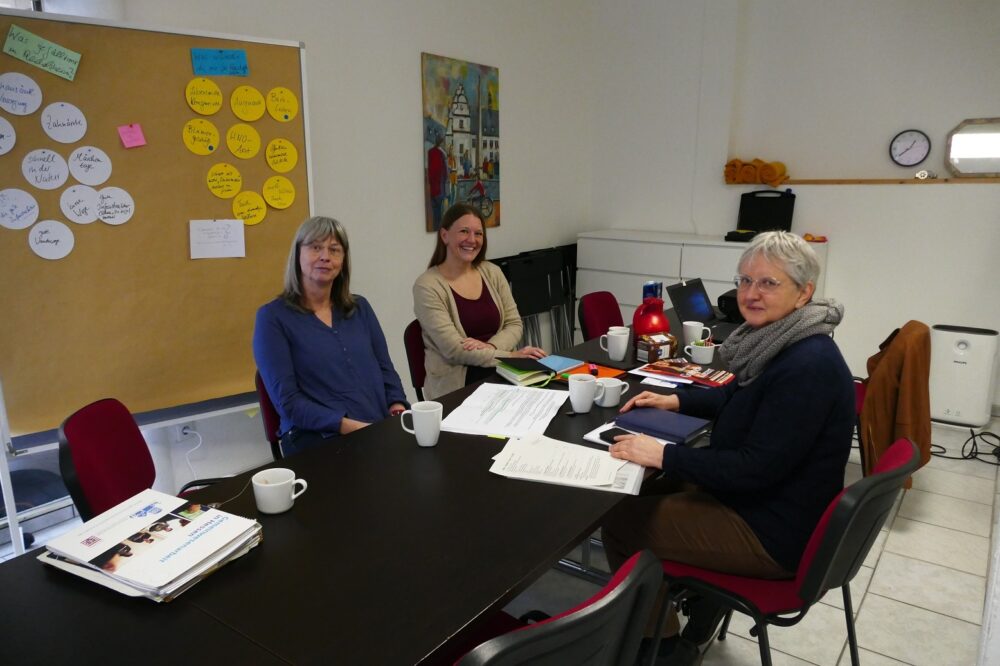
[963,360]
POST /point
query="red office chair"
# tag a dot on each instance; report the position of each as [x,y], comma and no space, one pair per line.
[413,340]
[606,629]
[269,417]
[104,459]
[598,311]
[832,557]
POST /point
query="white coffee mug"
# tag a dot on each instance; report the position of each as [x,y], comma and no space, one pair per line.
[695,330]
[583,390]
[426,417]
[618,330]
[614,389]
[274,489]
[701,355]
[615,343]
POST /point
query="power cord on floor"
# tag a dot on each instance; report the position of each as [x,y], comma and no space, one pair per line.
[187,430]
[971,448]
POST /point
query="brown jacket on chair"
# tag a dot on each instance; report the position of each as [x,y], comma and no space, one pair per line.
[897,400]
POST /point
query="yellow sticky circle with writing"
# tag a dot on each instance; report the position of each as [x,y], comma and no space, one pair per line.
[243,141]
[281,155]
[249,207]
[203,96]
[200,136]
[224,180]
[282,104]
[279,192]
[247,103]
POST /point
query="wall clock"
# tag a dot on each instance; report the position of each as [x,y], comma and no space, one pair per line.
[909,147]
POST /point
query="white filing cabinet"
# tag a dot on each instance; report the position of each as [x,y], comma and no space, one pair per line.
[620,260]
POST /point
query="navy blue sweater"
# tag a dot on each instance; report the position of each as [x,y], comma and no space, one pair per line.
[779,446]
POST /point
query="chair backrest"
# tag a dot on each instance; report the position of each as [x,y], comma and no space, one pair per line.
[606,629]
[850,524]
[413,341]
[269,417]
[598,312]
[103,457]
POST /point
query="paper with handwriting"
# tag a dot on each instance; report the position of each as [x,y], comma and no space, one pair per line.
[216,239]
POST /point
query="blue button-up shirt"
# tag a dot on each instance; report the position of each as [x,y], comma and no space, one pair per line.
[318,374]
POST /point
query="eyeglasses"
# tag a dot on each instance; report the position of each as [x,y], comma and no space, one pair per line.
[765,285]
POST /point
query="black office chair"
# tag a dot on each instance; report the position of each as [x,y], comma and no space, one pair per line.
[835,551]
[605,630]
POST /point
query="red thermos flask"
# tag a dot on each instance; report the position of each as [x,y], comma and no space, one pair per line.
[649,319]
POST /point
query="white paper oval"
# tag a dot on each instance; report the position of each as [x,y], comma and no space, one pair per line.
[44,169]
[114,206]
[19,94]
[64,122]
[8,137]
[18,209]
[50,239]
[79,204]
[90,165]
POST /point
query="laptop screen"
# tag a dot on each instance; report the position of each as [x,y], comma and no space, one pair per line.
[690,301]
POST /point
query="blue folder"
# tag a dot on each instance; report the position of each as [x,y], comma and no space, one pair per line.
[662,424]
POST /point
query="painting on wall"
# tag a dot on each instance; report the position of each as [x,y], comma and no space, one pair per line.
[461,137]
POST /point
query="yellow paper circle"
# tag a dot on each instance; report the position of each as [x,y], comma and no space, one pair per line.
[249,207]
[243,141]
[282,104]
[200,136]
[224,180]
[247,103]
[279,192]
[282,155]
[203,96]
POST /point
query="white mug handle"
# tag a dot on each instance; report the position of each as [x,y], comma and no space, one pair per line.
[402,421]
[706,333]
[600,392]
[688,351]
[625,388]
[304,486]
[603,342]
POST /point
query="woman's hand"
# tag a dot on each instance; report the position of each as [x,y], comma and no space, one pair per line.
[641,449]
[649,399]
[350,425]
[396,408]
[470,344]
[529,352]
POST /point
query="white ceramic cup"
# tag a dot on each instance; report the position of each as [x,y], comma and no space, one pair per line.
[583,390]
[695,330]
[615,342]
[426,417]
[274,489]
[701,355]
[614,389]
[618,329]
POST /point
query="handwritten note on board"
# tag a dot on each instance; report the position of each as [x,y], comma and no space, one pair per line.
[131,135]
[217,239]
[219,62]
[41,53]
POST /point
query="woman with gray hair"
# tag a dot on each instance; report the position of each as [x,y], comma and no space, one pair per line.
[747,503]
[320,349]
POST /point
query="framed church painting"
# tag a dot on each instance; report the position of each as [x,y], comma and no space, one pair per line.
[461,109]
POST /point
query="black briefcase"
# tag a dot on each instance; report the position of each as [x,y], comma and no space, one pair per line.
[766,210]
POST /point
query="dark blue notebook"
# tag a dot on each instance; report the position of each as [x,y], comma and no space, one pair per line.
[662,424]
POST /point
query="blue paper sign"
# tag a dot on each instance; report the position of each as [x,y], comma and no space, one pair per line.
[219,62]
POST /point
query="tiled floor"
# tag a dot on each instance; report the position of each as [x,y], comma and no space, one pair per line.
[918,599]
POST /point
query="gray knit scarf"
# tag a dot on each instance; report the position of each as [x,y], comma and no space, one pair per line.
[748,350]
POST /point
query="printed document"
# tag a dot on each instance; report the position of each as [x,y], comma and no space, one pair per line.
[540,458]
[508,411]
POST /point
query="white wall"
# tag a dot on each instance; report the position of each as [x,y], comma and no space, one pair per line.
[822,87]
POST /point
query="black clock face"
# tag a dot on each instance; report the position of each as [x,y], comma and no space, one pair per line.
[909,148]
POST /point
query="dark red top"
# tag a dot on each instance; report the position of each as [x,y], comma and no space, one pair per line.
[481,320]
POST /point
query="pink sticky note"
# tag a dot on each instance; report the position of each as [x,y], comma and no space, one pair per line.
[132,135]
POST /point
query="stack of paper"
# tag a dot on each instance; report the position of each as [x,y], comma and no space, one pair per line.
[540,458]
[505,411]
[153,545]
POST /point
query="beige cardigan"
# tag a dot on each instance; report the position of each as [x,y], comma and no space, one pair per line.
[435,307]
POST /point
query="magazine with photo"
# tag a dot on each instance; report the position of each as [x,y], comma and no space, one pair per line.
[156,543]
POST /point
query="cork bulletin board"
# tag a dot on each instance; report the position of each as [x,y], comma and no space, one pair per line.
[128,313]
